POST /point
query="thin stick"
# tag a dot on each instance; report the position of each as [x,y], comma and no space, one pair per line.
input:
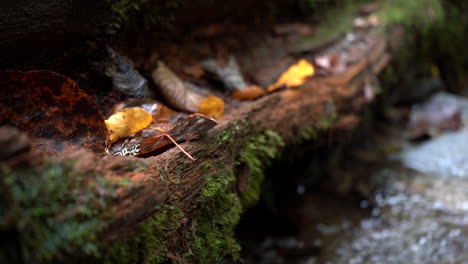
[165,134]
[181,149]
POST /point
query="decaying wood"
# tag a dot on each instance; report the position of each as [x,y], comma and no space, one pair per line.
[171,176]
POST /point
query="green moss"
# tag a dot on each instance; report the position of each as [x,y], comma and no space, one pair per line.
[309,133]
[216,218]
[337,21]
[436,42]
[152,241]
[210,237]
[229,134]
[420,14]
[327,120]
[221,206]
[54,211]
[323,124]
[146,13]
[257,154]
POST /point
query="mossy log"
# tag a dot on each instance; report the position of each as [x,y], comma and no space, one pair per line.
[167,207]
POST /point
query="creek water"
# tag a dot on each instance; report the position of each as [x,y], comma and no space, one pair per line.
[407,206]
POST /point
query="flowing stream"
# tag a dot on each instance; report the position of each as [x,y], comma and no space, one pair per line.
[410,206]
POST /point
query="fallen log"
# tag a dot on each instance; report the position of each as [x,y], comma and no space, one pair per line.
[134,210]
[83,206]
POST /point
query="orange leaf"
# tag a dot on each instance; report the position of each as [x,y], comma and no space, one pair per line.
[247,93]
[212,106]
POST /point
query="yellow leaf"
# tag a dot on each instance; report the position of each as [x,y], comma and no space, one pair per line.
[212,106]
[127,122]
[294,76]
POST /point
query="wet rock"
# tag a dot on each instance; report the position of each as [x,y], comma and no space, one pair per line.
[442,112]
[446,155]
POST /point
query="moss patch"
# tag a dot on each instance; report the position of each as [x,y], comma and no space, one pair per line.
[219,213]
[208,239]
[436,46]
[228,135]
[337,22]
[420,14]
[257,154]
[220,205]
[323,124]
[153,240]
[53,211]
[146,13]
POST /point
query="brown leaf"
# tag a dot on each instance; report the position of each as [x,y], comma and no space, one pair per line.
[194,70]
[52,110]
[180,96]
[229,74]
[188,128]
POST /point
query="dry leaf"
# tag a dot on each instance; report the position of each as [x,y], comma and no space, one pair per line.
[158,137]
[127,122]
[179,96]
[194,70]
[167,128]
[160,113]
[294,76]
[125,78]
[229,74]
[174,90]
[211,106]
[249,92]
